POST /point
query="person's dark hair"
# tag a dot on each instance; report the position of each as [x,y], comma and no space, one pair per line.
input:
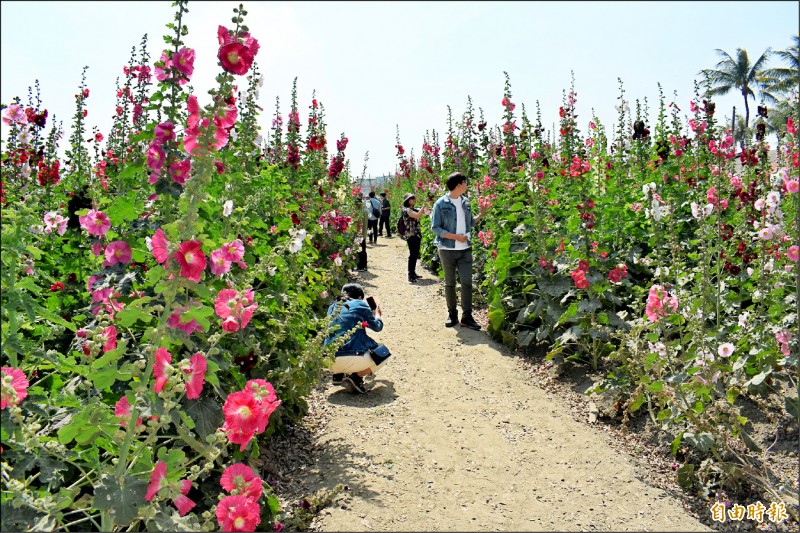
[353,290]
[372,194]
[454,180]
[383,194]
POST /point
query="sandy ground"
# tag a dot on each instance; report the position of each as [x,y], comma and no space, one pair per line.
[454,436]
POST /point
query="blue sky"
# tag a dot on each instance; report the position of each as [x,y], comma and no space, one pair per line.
[377,66]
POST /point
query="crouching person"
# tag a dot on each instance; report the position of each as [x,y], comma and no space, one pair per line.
[361,355]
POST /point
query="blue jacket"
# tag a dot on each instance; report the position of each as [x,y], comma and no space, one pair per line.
[346,315]
[443,220]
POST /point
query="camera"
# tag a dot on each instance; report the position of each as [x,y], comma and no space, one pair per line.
[371,302]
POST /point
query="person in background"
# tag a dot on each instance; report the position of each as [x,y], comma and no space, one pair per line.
[363,223]
[452,223]
[413,234]
[386,214]
[373,204]
[352,314]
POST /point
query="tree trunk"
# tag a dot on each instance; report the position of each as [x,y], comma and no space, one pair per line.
[746,109]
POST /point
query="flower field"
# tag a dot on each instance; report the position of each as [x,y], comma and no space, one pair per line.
[164,283]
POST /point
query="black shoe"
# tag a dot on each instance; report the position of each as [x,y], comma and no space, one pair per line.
[452,320]
[411,278]
[469,322]
[355,383]
[337,379]
[415,276]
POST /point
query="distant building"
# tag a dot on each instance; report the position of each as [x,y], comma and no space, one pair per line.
[378,183]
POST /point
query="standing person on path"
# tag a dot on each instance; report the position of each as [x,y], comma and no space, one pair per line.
[386,214]
[374,207]
[413,234]
[351,313]
[362,255]
[452,223]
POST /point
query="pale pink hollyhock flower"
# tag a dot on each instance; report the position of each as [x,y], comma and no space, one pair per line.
[219,263]
[765,233]
[15,114]
[238,513]
[194,374]
[14,386]
[273,229]
[726,349]
[183,502]
[181,171]
[152,179]
[240,479]
[192,260]
[165,131]
[792,186]
[117,252]
[234,251]
[184,62]
[247,313]
[160,246]
[155,156]
[95,222]
[157,480]
[162,368]
[793,253]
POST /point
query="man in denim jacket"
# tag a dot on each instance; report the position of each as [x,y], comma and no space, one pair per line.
[452,222]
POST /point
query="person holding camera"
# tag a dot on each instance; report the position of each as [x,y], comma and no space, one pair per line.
[361,355]
[413,234]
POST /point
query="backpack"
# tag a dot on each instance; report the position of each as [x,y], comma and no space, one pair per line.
[402,228]
[375,211]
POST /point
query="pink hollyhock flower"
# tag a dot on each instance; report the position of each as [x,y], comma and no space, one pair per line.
[162,368]
[241,412]
[277,526]
[235,58]
[792,186]
[117,252]
[122,410]
[659,302]
[97,249]
[192,260]
[181,171]
[219,262]
[227,303]
[95,222]
[162,72]
[230,324]
[110,339]
[234,251]
[160,246]
[155,156]
[238,513]
[793,253]
[790,126]
[184,62]
[176,320]
[225,116]
[726,349]
[239,479]
[15,114]
[14,386]
[247,314]
[157,480]
[164,131]
[195,375]
[193,107]
[183,502]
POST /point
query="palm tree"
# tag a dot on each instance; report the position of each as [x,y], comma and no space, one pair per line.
[780,81]
[737,74]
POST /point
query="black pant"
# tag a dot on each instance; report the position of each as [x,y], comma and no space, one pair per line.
[372,226]
[413,252]
[384,221]
[362,255]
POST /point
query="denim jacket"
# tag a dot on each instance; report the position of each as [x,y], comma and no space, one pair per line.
[443,220]
[346,315]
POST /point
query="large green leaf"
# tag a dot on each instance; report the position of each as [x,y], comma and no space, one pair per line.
[206,414]
[123,499]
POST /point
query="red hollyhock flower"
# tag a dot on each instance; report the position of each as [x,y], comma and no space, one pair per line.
[583,265]
[615,276]
[160,246]
[122,410]
[241,411]
[192,260]
[57,286]
[235,58]
[238,513]
[195,376]
[183,502]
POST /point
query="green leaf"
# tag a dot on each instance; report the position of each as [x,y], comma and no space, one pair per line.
[571,311]
[749,442]
[206,414]
[104,377]
[637,403]
[686,476]
[792,406]
[123,498]
[129,172]
[656,387]
[132,313]
[702,441]
[676,443]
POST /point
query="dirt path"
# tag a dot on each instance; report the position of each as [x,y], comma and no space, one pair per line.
[455,437]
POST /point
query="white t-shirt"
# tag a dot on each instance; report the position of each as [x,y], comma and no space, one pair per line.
[461,224]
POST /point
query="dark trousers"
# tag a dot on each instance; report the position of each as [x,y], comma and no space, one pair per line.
[461,261]
[414,243]
[384,221]
[372,226]
[362,255]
